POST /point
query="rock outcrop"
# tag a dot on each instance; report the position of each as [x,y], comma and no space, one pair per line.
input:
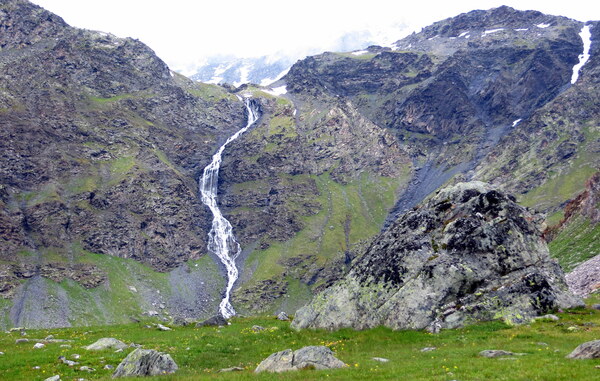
[311,357]
[145,362]
[469,253]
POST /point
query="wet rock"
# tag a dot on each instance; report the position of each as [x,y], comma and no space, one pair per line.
[215,321]
[311,357]
[587,350]
[145,362]
[470,253]
[106,343]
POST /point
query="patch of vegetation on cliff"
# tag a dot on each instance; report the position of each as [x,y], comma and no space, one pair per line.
[201,352]
[349,213]
[576,243]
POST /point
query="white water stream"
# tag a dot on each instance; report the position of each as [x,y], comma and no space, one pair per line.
[586,36]
[221,240]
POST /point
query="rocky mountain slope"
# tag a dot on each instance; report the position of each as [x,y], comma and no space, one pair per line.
[469,253]
[101,146]
[461,100]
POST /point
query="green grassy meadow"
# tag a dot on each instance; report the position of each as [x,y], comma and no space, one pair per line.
[202,352]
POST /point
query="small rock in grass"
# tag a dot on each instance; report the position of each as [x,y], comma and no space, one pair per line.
[53,378]
[380,359]
[39,345]
[232,369]
[65,346]
[492,353]
[1,353]
[572,329]
[67,362]
[36,367]
[214,321]
[428,349]
[587,350]
[257,328]
[75,356]
[86,368]
[106,343]
[541,344]
[283,316]
[162,327]
[547,317]
[21,341]
[119,350]
[49,337]
[108,366]
[596,306]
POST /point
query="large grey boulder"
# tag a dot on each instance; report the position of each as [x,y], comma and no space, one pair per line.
[587,350]
[106,343]
[311,357]
[470,253]
[145,362]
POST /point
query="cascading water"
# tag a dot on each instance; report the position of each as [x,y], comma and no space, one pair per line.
[221,240]
[586,36]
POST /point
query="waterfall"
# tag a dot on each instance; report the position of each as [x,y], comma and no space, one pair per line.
[586,36]
[221,240]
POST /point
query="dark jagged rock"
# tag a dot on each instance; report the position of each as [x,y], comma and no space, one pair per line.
[470,253]
[215,321]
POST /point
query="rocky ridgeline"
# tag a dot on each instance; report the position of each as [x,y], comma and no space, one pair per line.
[469,253]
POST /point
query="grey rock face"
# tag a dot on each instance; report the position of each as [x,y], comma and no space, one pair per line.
[588,350]
[470,253]
[106,343]
[311,357]
[145,362]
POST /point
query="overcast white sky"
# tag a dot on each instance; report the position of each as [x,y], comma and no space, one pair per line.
[185,32]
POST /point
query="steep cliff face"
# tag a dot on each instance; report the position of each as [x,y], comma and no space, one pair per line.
[470,253]
[100,148]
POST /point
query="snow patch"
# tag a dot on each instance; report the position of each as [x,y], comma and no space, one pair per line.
[542,25]
[586,36]
[268,81]
[521,29]
[491,31]
[277,91]
[244,72]
[295,111]
[514,124]
[217,75]
[431,38]
[463,34]
[360,52]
